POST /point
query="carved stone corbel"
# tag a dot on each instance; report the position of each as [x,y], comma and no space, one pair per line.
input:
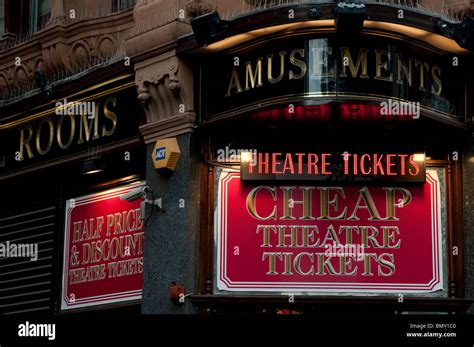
[164,86]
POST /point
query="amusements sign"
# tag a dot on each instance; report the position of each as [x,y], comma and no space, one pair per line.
[307,238]
[300,70]
[103,250]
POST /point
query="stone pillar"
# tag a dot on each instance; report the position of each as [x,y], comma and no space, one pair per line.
[468,213]
[172,237]
[165,90]
[58,15]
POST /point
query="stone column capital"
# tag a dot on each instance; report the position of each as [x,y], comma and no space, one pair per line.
[165,90]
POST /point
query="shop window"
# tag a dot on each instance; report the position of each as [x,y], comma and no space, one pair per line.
[2,17]
[40,14]
[24,17]
[17,17]
[121,5]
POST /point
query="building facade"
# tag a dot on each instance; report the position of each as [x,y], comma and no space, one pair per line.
[185,157]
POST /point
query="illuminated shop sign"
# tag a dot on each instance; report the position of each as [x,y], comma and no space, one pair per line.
[297,70]
[304,238]
[103,250]
[70,127]
[333,167]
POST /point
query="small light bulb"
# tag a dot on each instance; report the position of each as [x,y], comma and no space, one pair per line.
[246,157]
[419,157]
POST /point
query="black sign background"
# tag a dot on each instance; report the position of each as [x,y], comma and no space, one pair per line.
[126,109]
[217,72]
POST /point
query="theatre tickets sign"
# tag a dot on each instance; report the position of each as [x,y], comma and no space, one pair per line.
[297,237]
[103,250]
[333,167]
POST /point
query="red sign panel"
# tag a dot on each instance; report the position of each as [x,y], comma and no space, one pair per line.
[289,237]
[103,249]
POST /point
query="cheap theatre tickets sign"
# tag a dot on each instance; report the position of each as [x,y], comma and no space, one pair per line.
[357,238]
[103,250]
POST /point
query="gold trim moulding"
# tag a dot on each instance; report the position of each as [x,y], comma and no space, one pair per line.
[416,36]
[52,110]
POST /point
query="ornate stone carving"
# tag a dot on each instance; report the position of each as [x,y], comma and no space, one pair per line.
[65,49]
[164,87]
[56,57]
[17,79]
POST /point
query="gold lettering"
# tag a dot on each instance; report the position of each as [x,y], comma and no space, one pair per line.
[253,78]
[118,223]
[297,263]
[422,66]
[331,235]
[344,263]
[325,263]
[389,236]
[308,235]
[326,203]
[109,115]
[71,131]
[287,262]
[100,223]
[38,136]
[402,68]
[110,223]
[25,142]
[298,63]
[361,61]
[366,237]
[266,234]
[282,236]
[390,264]
[367,267]
[271,261]
[369,205]
[87,127]
[289,203]
[251,203]
[379,65]
[234,83]
[270,68]
[76,236]
[390,201]
[437,85]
